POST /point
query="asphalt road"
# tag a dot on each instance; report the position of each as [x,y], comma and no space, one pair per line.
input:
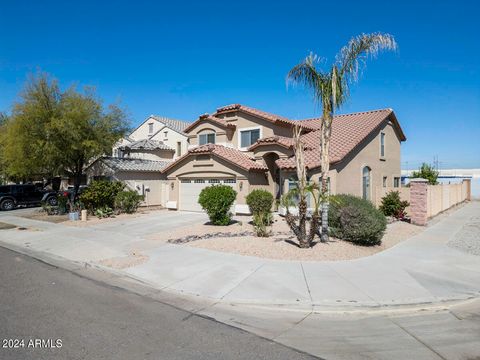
[96,321]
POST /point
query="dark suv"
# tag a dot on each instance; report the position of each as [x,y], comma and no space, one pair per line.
[13,195]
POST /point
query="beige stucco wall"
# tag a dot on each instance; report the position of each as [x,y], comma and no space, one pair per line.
[242,121]
[443,196]
[155,155]
[142,131]
[349,171]
[214,167]
[172,139]
[154,186]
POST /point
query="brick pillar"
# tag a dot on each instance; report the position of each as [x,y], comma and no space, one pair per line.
[418,201]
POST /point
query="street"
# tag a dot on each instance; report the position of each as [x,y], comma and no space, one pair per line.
[97,321]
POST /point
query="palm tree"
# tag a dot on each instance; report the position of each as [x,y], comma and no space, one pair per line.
[331,90]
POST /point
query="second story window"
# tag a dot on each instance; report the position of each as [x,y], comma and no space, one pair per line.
[179,148]
[150,128]
[382,144]
[249,137]
[206,139]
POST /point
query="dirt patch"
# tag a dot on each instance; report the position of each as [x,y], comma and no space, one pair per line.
[41,215]
[5,226]
[123,262]
[93,220]
[281,245]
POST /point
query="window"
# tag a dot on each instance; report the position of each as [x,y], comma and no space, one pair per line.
[382,144]
[165,134]
[199,181]
[396,182]
[150,128]
[206,139]
[183,181]
[384,181]
[179,148]
[249,137]
[214,181]
[229,181]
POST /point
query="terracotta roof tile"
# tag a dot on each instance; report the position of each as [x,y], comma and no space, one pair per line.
[281,140]
[236,157]
[348,131]
[207,117]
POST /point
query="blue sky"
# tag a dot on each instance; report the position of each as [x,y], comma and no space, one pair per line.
[181,59]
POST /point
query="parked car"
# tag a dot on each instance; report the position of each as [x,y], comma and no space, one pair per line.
[12,196]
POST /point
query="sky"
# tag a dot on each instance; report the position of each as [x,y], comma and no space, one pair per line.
[181,59]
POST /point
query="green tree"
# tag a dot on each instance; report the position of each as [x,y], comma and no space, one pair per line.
[426,172]
[57,133]
[331,90]
[3,130]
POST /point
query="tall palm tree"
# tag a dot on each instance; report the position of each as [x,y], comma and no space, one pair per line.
[331,90]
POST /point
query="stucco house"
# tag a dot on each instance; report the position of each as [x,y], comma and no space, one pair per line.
[139,158]
[247,148]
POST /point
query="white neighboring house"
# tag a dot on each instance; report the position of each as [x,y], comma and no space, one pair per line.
[138,158]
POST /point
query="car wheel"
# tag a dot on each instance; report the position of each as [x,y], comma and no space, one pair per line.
[7,205]
[52,201]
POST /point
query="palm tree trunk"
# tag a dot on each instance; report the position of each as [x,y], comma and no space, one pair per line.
[325,168]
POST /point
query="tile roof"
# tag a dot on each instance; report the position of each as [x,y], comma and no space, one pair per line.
[147,144]
[281,140]
[233,156]
[207,117]
[348,131]
[129,164]
[263,114]
[177,125]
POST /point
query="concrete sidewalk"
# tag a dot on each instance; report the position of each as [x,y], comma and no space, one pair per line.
[418,271]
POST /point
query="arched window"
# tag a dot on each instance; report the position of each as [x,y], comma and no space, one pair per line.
[366,183]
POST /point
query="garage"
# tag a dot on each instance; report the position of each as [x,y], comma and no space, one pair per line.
[190,190]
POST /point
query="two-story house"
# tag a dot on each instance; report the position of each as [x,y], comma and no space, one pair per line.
[139,158]
[247,149]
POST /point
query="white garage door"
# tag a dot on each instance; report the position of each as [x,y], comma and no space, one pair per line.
[190,190]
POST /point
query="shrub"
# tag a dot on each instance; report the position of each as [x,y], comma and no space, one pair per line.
[62,200]
[260,223]
[356,220]
[392,205]
[100,194]
[103,212]
[427,172]
[127,201]
[217,200]
[259,201]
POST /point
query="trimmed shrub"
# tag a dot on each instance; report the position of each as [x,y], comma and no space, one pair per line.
[100,194]
[357,220]
[217,200]
[392,205]
[259,201]
[127,201]
[103,212]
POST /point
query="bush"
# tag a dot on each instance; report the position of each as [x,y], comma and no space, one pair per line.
[103,212]
[217,200]
[259,201]
[127,201]
[392,205]
[356,220]
[427,172]
[100,194]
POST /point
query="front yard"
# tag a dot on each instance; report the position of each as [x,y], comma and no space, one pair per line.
[239,238]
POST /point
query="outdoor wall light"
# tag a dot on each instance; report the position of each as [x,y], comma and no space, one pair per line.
[172,185]
[241,185]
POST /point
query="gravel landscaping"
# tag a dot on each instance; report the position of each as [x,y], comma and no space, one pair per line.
[239,238]
[468,238]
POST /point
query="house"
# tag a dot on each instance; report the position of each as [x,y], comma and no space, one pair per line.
[247,149]
[139,158]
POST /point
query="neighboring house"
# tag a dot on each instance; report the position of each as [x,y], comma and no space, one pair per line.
[248,149]
[139,157]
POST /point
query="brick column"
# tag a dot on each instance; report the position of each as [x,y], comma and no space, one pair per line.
[418,201]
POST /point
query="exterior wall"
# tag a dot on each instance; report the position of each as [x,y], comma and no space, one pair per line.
[444,196]
[149,184]
[142,131]
[382,191]
[172,139]
[212,168]
[241,121]
[222,136]
[349,179]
